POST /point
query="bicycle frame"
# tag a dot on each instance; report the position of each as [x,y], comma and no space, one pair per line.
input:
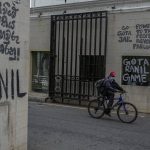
[120,101]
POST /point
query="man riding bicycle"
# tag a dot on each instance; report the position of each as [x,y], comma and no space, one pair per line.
[108,89]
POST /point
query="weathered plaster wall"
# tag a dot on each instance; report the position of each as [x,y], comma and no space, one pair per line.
[14,70]
[126,32]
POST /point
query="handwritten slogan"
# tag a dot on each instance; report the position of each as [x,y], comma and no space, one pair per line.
[139,40]
[136,70]
[124,34]
[9,40]
[10,47]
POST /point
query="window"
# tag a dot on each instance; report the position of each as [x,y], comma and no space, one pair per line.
[91,67]
[40,63]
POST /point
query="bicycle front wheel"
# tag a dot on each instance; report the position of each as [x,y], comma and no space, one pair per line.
[127,112]
[96,109]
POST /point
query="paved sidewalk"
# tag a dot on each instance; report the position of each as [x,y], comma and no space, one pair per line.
[37,97]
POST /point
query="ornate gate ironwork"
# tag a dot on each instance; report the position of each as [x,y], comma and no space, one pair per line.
[77,54]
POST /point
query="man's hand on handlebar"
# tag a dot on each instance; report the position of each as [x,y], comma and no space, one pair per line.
[122,92]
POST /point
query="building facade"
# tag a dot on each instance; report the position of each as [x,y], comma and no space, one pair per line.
[81,42]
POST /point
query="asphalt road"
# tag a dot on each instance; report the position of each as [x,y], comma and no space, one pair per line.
[60,127]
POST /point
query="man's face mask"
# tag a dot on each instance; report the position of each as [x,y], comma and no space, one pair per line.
[112,78]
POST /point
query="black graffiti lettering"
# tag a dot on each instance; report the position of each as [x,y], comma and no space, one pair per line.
[124,35]
[10,90]
[16,2]
[6,24]
[141,26]
[144,41]
[2,48]
[8,10]
[125,27]
[141,46]
[12,24]
[8,13]
[139,31]
[12,84]
[4,21]
[7,36]
[15,38]
[19,94]
[13,12]
[6,6]
[147,31]
[142,36]
[13,52]
[4,84]
[18,54]
[125,39]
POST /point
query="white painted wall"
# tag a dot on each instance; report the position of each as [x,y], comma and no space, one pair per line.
[14,70]
[139,95]
[38,3]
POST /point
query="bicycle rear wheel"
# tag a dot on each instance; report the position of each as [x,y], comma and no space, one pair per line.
[127,112]
[96,108]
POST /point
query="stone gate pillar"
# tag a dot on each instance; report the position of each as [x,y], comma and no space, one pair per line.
[14,71]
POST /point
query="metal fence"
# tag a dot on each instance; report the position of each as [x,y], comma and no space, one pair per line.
[77,54]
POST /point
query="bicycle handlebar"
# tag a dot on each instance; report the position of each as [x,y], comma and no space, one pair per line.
[122,92]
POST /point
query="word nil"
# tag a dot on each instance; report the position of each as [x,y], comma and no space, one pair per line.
[7,85]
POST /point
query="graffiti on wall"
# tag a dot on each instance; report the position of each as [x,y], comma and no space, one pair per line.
[142,36]
[139,40]
[12,87]
[10,47]
[124,34]
[9,40]
[136,70]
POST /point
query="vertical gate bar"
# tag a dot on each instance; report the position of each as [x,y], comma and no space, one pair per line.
[95,36]
[50,94]
[85,55]
[55,51]
[81,42]
[71,55]
[88,69]
[67,55]
[63,49]
[106,24]
[52,58]
[58,48]
[76,48]
[100,34]
[95,52]
[90,45]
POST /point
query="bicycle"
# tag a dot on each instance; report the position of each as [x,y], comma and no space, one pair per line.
[126,112]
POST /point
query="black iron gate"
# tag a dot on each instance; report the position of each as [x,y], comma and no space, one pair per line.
[77,54]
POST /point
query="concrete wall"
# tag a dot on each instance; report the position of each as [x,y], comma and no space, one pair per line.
[139,95]
[14,71]
[40,34]
[122,16]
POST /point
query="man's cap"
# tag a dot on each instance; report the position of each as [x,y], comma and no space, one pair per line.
[113,74]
